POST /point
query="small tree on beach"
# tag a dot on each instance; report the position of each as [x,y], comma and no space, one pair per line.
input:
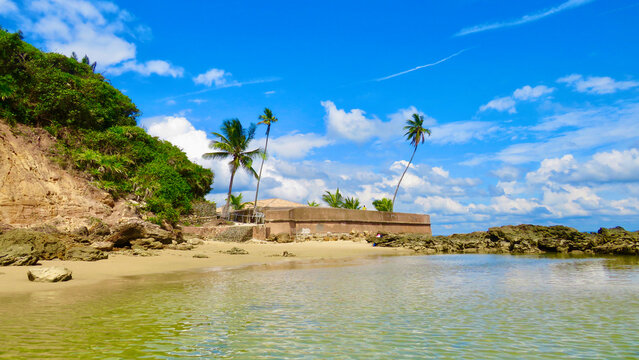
[333,200]
[236,202]
[312,204]
[383,204]
[267,119]
[232,142]
[415,134]
[351,203]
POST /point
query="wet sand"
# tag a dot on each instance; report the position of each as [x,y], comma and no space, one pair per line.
[13,279]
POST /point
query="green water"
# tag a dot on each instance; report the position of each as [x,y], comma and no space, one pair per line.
[456,306]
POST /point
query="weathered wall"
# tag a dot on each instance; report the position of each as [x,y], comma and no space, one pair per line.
[324,220]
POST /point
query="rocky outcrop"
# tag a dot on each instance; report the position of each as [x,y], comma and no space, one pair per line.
[236,251]
[49,274]
[84,253]
[124,234]
[26,247]
[520,239]
[35,189]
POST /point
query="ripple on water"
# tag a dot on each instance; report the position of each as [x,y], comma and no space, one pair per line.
[457,306]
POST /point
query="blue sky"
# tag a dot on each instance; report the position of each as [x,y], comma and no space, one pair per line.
[533,105]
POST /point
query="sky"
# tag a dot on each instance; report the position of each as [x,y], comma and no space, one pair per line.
[533,105]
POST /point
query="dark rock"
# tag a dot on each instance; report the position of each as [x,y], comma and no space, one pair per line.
[236,234]
[236,251]
[81,231]
[123,234]
[84,253]
[49,274]
[288,254]
[147,243]
[100,229]
[200,256]
[25,247]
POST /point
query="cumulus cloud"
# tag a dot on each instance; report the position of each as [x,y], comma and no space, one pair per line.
[461,132]
[596,84]
[217,77]
[98,30]
[507,103]
[296,145]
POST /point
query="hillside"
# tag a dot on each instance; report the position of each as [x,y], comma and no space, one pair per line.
[70,147]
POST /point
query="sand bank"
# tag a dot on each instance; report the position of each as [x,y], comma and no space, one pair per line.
[13,279]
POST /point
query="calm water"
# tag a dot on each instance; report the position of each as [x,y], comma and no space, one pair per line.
[456,306]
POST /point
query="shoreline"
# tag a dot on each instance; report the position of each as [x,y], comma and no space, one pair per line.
[13,279]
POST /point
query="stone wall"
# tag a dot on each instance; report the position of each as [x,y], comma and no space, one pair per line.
[315,220]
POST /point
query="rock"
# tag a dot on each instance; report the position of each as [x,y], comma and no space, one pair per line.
[49,274]
[137,229]
[81,231]
[147,243]
[283,238]
[141,252]
[25,247]
[200,256]
[100,229]
[236,251]
[235,234]
[103,245]
[84,253]
[195,241]
[288,254]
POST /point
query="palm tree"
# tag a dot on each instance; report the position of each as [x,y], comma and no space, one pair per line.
[384,204]
[312,203]
[267,119]
[415,131]
[333,200]
[233,141]
[236,202]
[351,203]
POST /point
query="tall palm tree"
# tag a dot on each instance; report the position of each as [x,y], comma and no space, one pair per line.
[233,141]
[267,119]
[415,132]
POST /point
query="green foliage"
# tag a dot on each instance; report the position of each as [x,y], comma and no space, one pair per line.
[312,204]
[351,203]
[236,202]
[46,89]
[384,204]
[94,124]
[333,200]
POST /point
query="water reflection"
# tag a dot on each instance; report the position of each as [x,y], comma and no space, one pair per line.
[453,306]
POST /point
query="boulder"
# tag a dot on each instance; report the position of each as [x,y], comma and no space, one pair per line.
[283,238]
[200,256]
[136,229]
[84,253]
[103,245]
[147,243]
[49,274]
[25,247]
[236,251]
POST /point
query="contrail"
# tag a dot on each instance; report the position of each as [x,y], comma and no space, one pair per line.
[421,66]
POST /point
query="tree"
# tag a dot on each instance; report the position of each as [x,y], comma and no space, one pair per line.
[333,200]
[351,203]
[267,119]
[312,204]
[236,202]
[415,132]
[233,141]
[384,204]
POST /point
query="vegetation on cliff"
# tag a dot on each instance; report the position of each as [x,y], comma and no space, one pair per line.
[95,125]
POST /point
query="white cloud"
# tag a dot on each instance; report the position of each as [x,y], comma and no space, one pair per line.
[596,84]
[7,7]
[217,77]
[461,132]
[198,101]
[507,103]
[158,67]
[441,205]
[295,146]
[524,19]
[94,29]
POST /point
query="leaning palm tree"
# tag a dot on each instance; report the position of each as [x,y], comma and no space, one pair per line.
[333,200]
[383,204]
[267,119]
[233,141]
[415,131]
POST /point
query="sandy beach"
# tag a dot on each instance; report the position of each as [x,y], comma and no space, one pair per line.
[13,279]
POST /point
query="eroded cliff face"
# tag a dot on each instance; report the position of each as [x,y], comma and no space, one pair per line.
[35,190]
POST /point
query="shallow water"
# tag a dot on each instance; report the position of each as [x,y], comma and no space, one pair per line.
[451,306]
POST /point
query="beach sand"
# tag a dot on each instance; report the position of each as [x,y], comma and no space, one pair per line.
[13,279]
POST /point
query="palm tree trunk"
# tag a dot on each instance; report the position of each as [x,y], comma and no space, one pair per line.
[225,211]
[259,177]
[401,178]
